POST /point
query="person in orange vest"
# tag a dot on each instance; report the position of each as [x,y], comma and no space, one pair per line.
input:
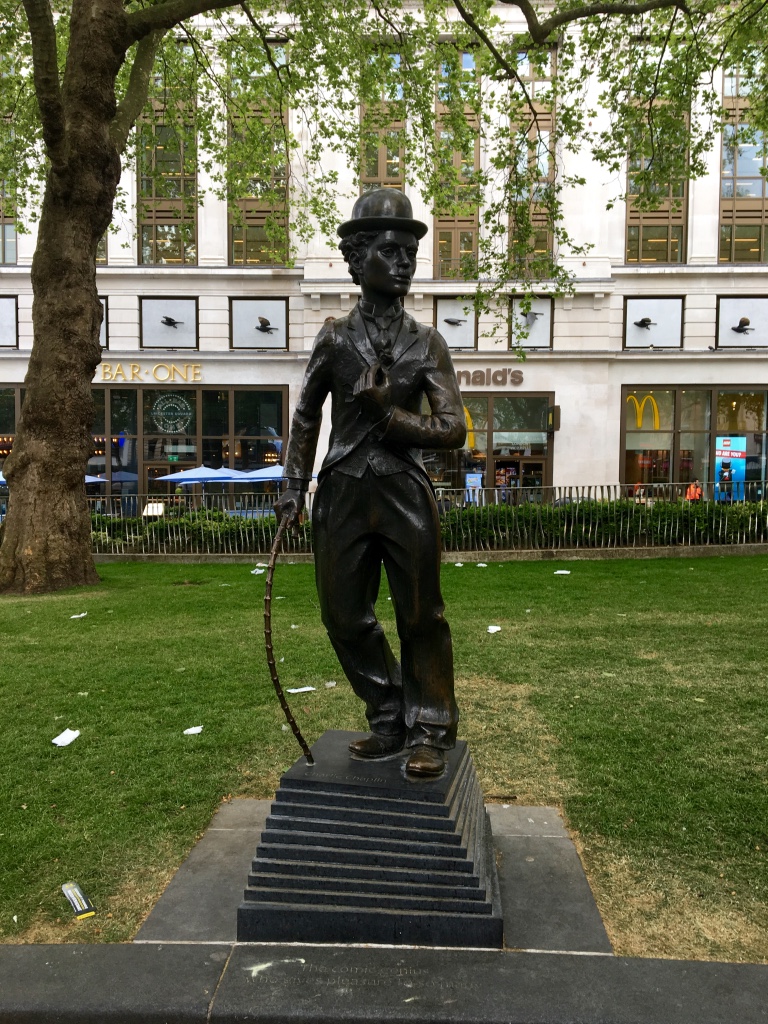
[693,493]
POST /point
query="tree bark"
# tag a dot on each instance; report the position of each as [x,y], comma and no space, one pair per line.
[46,542]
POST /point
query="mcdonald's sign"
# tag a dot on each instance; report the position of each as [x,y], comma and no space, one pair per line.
[640,409]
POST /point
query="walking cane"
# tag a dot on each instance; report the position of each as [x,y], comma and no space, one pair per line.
[268,639]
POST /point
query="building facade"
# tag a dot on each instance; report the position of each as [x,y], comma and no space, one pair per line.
[654,371]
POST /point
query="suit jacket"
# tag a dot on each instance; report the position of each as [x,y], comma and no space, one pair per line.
[421,366]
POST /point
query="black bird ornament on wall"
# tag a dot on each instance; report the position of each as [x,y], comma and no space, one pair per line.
[743,326]
[168,321]
[645,323]
[264,326]
[454,321]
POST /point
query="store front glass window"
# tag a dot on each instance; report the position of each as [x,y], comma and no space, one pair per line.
[7,422]
[740,411]
[695,410]
[649,418]
[258,425]
[693,458]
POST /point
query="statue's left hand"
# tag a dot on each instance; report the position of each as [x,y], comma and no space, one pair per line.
[374,390]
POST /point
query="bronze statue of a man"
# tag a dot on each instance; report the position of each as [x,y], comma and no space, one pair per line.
[374,503]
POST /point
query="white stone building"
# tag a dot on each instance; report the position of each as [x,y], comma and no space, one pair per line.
[648,374]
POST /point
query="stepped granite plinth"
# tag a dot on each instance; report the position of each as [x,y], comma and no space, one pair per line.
[353,851]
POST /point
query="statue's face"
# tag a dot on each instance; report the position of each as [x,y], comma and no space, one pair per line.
[389,263]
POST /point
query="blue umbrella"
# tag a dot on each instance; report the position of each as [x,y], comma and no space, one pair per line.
[267,473]
[88,480]
[203,475]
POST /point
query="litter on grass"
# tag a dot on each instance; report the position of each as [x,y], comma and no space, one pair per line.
[294,626]
[66,737]
[257,572]
[482,565]
[193,730]
[459,565]
[301,689]
[79,902]
[494,629]
[80,616]
[82,693]
[330,684]
[261,565]
[562,572]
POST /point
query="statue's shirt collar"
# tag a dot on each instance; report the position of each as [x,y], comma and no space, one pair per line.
[384,320]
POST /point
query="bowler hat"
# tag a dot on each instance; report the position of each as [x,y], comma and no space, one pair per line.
[383,209]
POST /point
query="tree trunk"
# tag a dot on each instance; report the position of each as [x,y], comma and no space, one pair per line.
[46,541]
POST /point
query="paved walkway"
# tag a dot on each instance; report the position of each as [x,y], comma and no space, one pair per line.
[185,965]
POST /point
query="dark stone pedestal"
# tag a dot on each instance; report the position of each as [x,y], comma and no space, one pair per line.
[355,852]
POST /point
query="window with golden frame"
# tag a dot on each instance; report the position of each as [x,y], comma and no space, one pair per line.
[258,222]
[529,215]
[7,227]
[743,218]
[457,227]
[656,236]
[167,195]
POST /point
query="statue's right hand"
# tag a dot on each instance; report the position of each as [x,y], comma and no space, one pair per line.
[290,502]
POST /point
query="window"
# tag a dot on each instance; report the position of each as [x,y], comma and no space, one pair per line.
[7,422]
[167,195]
[258,229]
[457,219]
[7,227]
[169,323]
[9,335]
[742,185]
[506,447]
[658,235]
[383,158]
[457,224]
[667,436]
[258,323]
[101,252]
[530,228]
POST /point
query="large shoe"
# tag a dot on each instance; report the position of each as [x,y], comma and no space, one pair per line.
[377,745]
[425,761]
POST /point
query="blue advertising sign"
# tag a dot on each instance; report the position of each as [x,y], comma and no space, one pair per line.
[730,468]
[473,483]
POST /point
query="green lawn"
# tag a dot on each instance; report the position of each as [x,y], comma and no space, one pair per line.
[632,694]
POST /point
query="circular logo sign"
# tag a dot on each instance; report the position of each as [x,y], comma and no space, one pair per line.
[172,414]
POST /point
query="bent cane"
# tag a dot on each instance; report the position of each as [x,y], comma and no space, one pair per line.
[268,639]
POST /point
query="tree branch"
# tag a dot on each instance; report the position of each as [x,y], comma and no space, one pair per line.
[46,76]
[264,40]
[136,94]
[166,15]
[540,31]
[503,63]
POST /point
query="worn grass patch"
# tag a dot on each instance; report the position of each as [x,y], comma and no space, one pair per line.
[630,694]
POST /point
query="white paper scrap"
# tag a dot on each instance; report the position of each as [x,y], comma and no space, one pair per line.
[301,689]
[80,616]
[261,565]
[257,572]
[331,684]
[482,565]
[294,626]
[562,572]
[494,629]
[458,565]
[193,730]
[66,737]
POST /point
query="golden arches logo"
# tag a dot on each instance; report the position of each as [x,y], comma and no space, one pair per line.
[640,409]
[470,442]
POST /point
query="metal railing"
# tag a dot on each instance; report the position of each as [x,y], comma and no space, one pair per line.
[476,519]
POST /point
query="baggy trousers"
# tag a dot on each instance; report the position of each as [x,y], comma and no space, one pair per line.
[360,524]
